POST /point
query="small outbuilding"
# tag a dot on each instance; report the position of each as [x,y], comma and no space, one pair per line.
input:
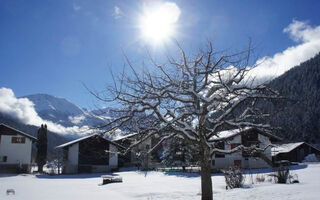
[90,154]
[15,150]
[293,152]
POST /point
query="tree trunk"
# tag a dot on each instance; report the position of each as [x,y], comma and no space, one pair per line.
[206,182]
[40,168]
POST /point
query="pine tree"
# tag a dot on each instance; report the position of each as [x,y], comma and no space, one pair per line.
[42,145]
[178,154]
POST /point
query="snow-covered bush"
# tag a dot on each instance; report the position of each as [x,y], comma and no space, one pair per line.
[234,177]
[53,167]
[282,175]
[260,178]
[311,158]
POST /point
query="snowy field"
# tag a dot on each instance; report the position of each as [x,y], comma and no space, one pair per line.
[155,185]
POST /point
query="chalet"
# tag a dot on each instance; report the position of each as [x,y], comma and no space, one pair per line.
[138,155]
[15,150]
[293,152]
[230,139]
[88,154]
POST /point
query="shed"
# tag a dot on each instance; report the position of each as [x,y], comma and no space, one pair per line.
[294,152]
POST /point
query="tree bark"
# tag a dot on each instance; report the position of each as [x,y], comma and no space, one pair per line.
[40,168]
[206,182]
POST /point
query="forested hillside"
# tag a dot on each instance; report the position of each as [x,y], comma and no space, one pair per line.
[299,116]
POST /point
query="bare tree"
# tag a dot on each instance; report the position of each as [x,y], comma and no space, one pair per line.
[190,98]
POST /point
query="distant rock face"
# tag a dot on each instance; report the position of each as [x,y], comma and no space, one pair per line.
[63,112]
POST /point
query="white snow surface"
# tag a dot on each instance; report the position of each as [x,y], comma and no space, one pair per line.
[155,185]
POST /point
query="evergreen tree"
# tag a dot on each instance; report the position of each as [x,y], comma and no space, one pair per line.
[178,154]
[42,147]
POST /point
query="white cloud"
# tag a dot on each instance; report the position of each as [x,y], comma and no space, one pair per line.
[76,119]
[23,110]
[76,7]
[308,46]
[117,12]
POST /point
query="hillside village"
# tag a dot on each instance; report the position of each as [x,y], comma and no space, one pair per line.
[99,153]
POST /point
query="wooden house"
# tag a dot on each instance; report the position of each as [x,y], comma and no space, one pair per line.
[93,153]
[138,156]
[293,152]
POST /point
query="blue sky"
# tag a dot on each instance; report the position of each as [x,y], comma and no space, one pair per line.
[52,46]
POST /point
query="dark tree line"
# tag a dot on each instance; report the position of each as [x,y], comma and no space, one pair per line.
[299,116]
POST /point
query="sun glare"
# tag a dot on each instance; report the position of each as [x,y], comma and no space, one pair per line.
[158,22]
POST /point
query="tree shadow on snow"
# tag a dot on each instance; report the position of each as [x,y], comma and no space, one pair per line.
[269,170]
[183,174]
[246,171]
[73,176]
[9,175]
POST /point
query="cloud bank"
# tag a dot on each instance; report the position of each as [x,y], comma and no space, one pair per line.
[23,110]
[308,39]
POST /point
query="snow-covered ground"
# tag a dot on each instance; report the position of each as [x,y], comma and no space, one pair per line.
[155,185]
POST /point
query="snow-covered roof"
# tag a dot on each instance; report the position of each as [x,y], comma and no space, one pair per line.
[8,130]
[84,138]
[227,133]
[284,148]
[233,132]
[120,137]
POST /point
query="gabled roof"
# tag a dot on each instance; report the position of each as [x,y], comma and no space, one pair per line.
[223,135]
[286,148]
[124,137]
[84,138]
[8,130]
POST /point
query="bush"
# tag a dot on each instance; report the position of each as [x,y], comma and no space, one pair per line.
[260,178]
[282,174]
[234,177]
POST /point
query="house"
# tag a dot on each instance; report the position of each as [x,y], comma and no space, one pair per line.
[294,152]
[93,153]
[15,150]
[230,139]
[138,155]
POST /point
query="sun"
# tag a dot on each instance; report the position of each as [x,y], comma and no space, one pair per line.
[158,22]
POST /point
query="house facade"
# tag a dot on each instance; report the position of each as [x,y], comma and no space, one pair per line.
[247,137]
[15,150]
[138,155]
[90,154]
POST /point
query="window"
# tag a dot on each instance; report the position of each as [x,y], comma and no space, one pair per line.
[234,145]
[213,162]
[220,145]
[19,140]
[3,158]
[237,163]
[217,155]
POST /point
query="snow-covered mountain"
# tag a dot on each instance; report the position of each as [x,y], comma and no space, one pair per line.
[62,111]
